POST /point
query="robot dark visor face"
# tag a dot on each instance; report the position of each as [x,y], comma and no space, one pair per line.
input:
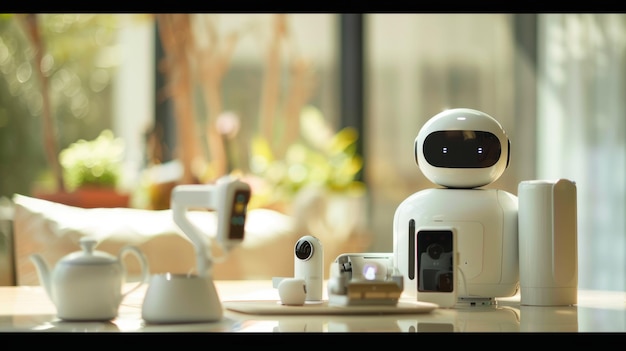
[462,149]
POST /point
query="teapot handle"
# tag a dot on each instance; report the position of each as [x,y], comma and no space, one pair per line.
[143,262]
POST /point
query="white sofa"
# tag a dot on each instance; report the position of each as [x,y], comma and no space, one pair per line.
[53,230]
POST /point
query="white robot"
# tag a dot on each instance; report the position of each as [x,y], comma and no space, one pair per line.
[461,150]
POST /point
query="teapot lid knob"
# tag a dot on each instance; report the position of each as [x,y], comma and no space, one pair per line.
[88,244]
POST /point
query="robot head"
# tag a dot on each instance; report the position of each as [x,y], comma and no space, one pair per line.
[462,148]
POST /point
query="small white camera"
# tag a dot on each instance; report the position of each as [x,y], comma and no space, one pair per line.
[309,265]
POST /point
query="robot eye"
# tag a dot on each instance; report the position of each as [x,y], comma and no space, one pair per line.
[462,149]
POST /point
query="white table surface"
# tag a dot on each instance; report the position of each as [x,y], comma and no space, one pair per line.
[28,309]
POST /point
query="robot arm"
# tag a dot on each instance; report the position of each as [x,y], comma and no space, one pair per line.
[229,197]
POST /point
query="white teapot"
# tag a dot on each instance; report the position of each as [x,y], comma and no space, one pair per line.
[87,284]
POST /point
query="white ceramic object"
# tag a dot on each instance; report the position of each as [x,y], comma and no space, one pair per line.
[88,284]
[292,291]
[180,298]
[548,247]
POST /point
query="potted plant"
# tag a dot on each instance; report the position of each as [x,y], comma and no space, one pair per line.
[92,173]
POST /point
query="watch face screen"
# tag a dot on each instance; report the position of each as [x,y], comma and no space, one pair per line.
[462,149]
[435,271]
[238,214]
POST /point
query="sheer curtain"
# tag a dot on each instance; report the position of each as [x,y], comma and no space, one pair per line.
[581,133]
[419,65]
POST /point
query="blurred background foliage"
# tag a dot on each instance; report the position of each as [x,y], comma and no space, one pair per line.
[79,59]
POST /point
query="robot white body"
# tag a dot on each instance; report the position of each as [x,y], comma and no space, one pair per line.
[486,222]
[462,150]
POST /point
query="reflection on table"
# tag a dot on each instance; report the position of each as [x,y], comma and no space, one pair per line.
[27,308]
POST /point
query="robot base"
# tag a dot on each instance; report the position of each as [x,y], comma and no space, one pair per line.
[475,302]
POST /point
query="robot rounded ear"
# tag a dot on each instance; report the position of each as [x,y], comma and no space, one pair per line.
[415,152]
[508,152]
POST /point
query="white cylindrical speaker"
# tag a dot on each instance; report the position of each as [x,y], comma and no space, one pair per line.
[548,248]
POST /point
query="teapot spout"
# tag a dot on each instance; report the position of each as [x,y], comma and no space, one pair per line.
[42,272]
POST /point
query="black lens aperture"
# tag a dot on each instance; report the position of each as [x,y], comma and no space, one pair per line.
[304,249]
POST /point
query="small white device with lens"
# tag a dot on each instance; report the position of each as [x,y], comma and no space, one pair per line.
[309,265]
[307,283]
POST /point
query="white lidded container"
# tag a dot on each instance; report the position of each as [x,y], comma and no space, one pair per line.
[548,248]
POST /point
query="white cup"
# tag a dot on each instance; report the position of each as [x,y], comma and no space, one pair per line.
[292,291]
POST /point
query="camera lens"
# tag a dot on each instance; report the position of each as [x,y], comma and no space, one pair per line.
[304,249]
[434,251]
